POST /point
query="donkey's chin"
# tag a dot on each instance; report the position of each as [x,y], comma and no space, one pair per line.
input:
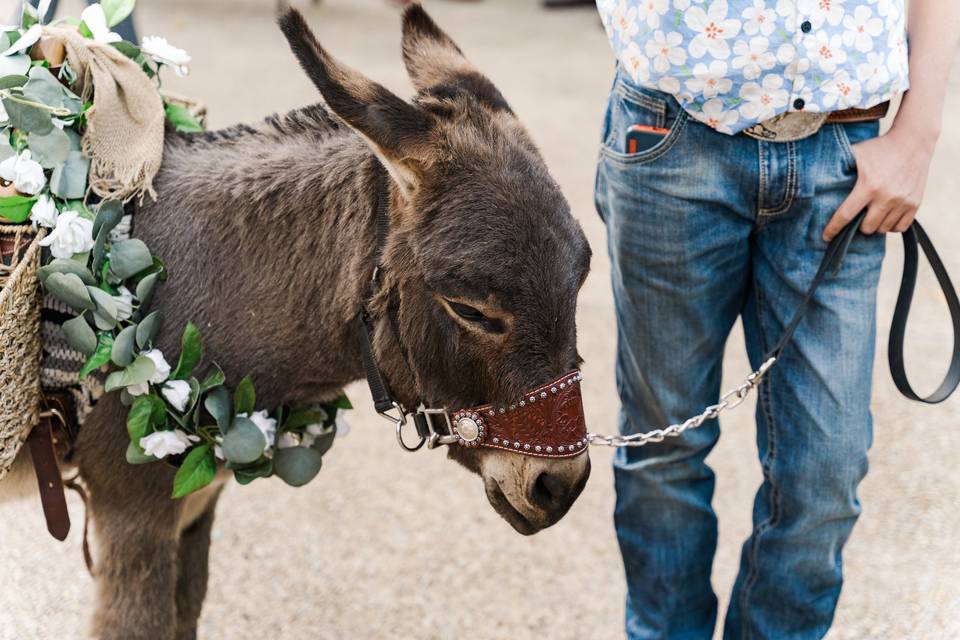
[529,493]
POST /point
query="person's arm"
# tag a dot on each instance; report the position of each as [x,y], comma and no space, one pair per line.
[892,169]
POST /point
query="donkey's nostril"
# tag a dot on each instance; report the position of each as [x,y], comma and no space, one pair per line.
[549,491]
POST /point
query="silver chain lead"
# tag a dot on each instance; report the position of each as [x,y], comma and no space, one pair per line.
[729,400]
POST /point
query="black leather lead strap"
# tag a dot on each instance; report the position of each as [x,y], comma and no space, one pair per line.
[911,238]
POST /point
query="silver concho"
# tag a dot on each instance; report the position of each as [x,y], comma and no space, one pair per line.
[469,429]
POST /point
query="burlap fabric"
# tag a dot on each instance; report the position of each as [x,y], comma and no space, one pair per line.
[124,135]
[19,339]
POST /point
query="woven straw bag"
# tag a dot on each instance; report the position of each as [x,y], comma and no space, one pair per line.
[20,302]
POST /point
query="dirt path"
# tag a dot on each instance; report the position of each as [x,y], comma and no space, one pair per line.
[389,545]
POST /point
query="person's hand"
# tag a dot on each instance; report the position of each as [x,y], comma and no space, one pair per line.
[891,178]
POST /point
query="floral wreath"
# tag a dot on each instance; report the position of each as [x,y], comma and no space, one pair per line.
[194,423]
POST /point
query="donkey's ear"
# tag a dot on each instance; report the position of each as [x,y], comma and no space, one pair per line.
[395,129]
[436,65]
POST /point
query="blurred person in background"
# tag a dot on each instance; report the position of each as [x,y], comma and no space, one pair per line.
[716,209]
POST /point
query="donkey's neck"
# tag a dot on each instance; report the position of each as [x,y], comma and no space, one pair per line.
[268,234]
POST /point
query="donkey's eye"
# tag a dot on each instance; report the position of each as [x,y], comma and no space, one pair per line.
[474,315]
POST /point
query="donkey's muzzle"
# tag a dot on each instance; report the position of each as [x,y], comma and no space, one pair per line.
[546,422]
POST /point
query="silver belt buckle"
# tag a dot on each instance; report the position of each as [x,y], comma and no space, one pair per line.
[788,127]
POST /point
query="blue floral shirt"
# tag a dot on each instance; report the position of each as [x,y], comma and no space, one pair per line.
[734,63]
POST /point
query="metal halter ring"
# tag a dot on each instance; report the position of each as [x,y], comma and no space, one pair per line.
[399,421]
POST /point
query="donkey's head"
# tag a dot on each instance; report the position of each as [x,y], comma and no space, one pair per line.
[483,258]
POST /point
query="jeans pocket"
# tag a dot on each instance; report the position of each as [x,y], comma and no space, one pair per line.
[851,133]
[631,105]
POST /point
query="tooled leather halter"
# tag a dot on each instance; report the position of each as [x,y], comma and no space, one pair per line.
[547,422]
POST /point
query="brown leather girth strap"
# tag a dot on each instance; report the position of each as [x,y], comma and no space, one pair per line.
[74,484]
[49,480]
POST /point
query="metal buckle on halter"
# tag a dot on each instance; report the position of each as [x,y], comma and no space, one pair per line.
[399,421]
[433,437]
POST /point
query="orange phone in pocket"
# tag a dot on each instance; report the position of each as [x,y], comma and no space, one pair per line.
[641,137]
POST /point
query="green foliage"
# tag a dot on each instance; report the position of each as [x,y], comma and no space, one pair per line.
[191,351]
[197,471]
[80,336]
[244,442]
[139,372]
[69,180]
[16,208]
[69,289]
[123,346]
[100,356]
[297,465]
[182,119]
[129,257]
[244,398]
[116,10]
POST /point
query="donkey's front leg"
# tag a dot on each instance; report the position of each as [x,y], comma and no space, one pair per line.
[192,568]
[135,531]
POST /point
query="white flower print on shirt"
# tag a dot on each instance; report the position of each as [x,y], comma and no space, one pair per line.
[861,28]
[762,101]
[716,117]
[666,50]
[681,5]
[826,52]
[650,11]
[624,20]
[759,19]
[819,12]
[635,63]
[873,73]
[841,91]
[712,29]
[753,57]
[711,80]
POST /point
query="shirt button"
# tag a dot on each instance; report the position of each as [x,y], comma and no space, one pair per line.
[799,104]
[806,27]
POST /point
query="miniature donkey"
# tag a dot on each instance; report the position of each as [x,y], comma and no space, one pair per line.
[268,232]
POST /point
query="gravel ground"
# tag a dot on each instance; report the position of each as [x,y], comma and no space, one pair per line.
[389,545]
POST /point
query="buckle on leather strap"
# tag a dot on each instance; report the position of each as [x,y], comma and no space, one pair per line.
[788,127]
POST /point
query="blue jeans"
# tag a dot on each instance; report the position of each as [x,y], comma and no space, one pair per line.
[703,228]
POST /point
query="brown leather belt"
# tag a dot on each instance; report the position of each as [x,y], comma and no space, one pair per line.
[797,125]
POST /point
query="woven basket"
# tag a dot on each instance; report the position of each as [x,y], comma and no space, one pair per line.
[20,302]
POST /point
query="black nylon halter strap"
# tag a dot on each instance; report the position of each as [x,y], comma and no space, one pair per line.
[831,263]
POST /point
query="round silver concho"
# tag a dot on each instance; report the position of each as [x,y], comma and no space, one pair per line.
[469,429]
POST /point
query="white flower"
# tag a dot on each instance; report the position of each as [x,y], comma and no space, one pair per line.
[682,5]
[753,57]
[651,10]
[124,303]
[267,426]
[826,51]
[177,393]
[710,81]
[288,440]
[161,444]
[666,50]
[160,373]
[861,29]
[841,92]
[817,11]
[716,117]
[624,20]
[73,234]
[636,64]
[25,173]
[762,102]
[759,19]
[712,28]
[671,85]
[343,428]
[874,72]
[44,212]
[794,65]
[165,53]
[27,40]
[96,21]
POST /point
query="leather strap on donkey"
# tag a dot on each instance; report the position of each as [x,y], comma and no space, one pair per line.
[547,422]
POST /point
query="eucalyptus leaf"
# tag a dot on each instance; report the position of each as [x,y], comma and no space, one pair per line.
[305,417]
[79,335]
[50,149]
[135,454]
[13,81]
[191,351]
[69,288]
[105,313]
[248,473]
[122,353]
[147,329]
[44,87]
[99,357]
[16,208]
[324,441]
[217,404]
[99,249]
[69,180]
[214,378]
[197,471]
[129,257]
[17,65]
[27,117]
[139,372]
[297,465]
[244,442]
[145,289]
[109,215]
[116,10]
[62,265]
[244,398]
[6,151]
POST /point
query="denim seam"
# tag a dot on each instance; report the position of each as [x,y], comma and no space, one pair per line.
[657,106]
[841,135]
[788,197]
[762,157]
[657,152]
[765,403]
